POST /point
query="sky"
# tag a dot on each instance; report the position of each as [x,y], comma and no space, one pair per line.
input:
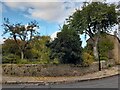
[50,14]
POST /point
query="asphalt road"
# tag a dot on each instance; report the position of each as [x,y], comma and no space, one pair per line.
[110,82]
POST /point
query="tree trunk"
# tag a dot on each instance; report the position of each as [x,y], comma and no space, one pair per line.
[95,49]
[22,55]
[96,52]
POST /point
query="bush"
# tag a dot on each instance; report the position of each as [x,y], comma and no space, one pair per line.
[10,58]
[23,61]
[66,47]
[56,61]
[104,58]
[87,59]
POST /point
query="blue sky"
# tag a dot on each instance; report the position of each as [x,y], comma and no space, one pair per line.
[50,14]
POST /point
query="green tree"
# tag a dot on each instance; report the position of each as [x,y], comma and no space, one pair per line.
[36,51]
[66,47]
[39,50]
[20,32]
[10,47]
[105,45]
[93,19]
[11,52]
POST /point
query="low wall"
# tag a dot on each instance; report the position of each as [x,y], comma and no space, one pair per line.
[49,70]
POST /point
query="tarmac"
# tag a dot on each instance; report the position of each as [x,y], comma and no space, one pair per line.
[111,71]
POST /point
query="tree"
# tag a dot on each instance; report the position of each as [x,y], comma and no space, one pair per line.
[66,47]
[10,52]
[9,47]
[24,33]
[39,50]
[36,51]
[93,19]
[106,45]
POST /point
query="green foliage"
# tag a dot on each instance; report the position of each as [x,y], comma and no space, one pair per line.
[67,47]
[10,46]
[23,61]
[39,49]
[22,33]
[10,58]
[105,45]
[55,61]
[92,19]
[88,59]
[36,51]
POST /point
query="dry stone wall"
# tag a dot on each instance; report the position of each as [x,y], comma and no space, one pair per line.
[50,70]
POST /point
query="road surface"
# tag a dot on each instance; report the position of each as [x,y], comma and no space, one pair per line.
[110,82]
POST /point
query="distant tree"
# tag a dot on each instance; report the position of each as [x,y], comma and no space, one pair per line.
[24,33]
[66,47]
[93,19]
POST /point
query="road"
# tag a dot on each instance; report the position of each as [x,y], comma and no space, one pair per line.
[110,82]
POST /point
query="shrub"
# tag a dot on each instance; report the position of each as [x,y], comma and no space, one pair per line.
[67,46]
[104,58]
[23,61]
[87,58]
[10,58]
[56,61]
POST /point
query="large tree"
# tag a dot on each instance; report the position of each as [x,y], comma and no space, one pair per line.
[24,33]
[93,19]
[66,47]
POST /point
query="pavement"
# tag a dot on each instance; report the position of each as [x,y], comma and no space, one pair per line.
[112,71]
[109,82]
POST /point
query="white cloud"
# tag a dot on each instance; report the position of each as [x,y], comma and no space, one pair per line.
[112,0]
[43,0]
[49,11]
[1,40]
[0,8]
[54,35]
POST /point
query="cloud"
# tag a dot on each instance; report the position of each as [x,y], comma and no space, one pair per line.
[54,35]
[0,8]
[112,0]
[1,40]
[48,11]
[44,0]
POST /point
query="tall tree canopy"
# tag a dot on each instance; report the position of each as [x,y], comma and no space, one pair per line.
[93,19]
[66,47]
[24,33]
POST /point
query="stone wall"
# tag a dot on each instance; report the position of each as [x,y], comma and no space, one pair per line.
[49,70]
